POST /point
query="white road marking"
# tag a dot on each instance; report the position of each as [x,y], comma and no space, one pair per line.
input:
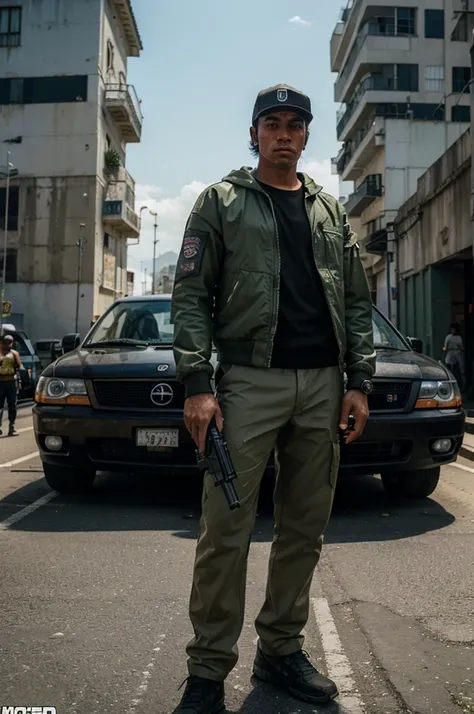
[5,525]
[9,464]
[25,428]
[338,666]
[144,682]
[461,466]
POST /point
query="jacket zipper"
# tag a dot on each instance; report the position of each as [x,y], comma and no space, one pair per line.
[231,296]
[277,294]
[328,302]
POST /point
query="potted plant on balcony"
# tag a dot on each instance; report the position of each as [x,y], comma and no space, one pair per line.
[112,162]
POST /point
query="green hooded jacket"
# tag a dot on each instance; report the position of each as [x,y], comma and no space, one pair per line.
[226,289]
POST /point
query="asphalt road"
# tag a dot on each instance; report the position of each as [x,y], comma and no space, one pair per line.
[94,593]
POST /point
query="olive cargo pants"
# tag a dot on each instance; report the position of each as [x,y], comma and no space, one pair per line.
[297,412]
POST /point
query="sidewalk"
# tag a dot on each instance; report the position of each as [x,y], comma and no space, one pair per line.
[467,448]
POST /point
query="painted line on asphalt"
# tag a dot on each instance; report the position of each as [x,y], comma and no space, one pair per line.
[463,468]
[144,682]
[9,464]
[5,525]
[338,666]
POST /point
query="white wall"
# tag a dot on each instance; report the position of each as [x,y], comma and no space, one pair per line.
[411,147]
[57,37]
[49,310]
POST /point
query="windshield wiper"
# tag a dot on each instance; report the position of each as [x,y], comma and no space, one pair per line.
[118,342]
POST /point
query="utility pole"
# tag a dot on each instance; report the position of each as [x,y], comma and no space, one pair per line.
[5,241]
[80,244]
[155,226]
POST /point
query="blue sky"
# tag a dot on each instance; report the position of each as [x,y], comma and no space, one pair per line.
[198,77]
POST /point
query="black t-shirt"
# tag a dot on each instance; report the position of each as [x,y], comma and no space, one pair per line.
[305,337]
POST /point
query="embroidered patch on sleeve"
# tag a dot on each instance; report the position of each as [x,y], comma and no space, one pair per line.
[191,255]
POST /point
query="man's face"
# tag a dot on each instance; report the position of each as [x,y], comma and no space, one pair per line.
[281,138]
[7,345]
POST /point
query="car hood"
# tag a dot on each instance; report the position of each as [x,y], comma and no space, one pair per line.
[115,363]
[401,364]
[121,362]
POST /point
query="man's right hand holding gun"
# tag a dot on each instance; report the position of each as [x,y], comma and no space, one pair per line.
[198,412]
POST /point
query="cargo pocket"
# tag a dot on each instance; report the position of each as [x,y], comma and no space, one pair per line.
[336,459]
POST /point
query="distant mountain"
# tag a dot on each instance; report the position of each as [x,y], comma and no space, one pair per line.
[162,261]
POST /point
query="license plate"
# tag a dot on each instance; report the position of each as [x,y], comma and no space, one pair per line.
[158,437]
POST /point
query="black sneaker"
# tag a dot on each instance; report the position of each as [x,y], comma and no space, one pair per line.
[202,696]
[295,674]
[12,431]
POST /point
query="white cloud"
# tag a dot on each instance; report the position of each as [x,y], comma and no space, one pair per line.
[298,21]
[320,171]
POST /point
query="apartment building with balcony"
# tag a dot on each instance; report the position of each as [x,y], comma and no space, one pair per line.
[67,115]
[403,73]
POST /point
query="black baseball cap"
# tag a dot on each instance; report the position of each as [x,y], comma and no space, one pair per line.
[282,97]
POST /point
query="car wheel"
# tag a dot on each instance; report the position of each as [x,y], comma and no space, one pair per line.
[412,484]
[66,479]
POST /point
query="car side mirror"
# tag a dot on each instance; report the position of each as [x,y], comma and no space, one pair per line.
[71,342]
[415,344]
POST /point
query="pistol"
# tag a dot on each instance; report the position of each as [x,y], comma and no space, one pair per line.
[217,461]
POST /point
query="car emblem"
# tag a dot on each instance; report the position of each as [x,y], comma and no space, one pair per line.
[392,398]
[162,367]
[162,395]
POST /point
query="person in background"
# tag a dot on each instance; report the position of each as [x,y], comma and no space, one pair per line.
[454,349]
[10,363]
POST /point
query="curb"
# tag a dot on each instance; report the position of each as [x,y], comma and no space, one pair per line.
[467,452]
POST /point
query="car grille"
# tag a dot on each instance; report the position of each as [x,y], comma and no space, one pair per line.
[126,451]
[389,396]
[136,394]
[374,453]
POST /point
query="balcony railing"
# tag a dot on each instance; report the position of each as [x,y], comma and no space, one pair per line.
[122,102]
[373,29]
[375,82]
[368,191]
[120,215]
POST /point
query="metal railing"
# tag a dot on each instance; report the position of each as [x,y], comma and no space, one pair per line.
[125,93]
[372,29]
[374,82]
[371,187]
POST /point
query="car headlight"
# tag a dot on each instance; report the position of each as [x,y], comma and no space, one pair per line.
[54,390]
[443,394]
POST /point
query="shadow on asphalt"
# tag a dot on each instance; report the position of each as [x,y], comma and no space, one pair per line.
[262,695]
[362,511]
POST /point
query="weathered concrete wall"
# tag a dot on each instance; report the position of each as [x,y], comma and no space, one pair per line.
[435,222]
[49,310]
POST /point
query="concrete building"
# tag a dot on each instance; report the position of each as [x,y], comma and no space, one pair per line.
[65,101]
[433,237]
[403,72]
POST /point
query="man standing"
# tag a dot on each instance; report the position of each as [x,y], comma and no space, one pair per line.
[10,363]
[269,271]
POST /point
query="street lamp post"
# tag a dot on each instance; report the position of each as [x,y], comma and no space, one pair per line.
[155,226]
[11,171]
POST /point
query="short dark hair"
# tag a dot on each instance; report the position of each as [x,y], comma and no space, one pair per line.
[455,326]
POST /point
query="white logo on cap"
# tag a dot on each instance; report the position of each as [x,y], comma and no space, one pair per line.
[282,95]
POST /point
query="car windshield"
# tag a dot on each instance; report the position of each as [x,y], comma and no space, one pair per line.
[384,334]
[147,321]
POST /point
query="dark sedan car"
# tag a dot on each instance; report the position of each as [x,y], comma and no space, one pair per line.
[113,403]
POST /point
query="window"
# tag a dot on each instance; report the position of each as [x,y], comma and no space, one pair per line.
[461,113]
[434,78]
[13,205]
[110,56]
[434,24]
[406,21]
[11,266]
[43,90]
[407,77]
[461,77]
[460,31]
[10,26]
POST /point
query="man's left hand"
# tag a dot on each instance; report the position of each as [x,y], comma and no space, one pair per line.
[354,404]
